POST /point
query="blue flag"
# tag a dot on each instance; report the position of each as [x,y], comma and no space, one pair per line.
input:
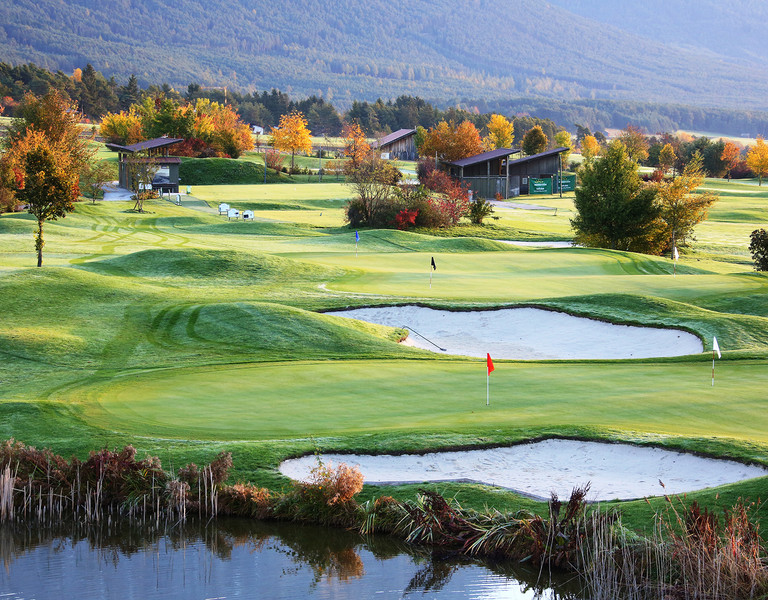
[357,236]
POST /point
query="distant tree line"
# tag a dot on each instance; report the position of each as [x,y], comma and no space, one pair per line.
[599,115]
[97,96]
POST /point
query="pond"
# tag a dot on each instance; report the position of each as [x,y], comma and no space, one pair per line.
[246,559]
[527,334]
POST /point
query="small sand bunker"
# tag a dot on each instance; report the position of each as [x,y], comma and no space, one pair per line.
[527,334]
[615,471]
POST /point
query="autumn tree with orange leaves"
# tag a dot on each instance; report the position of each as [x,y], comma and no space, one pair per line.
[356,147]
[452,142]
[208,128]
[292,135]
[45,178]
[730,156]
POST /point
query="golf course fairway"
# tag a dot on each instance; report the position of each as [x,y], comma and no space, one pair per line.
[185,334]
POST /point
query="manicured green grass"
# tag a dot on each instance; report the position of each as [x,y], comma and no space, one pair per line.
[296,399]
[186,334]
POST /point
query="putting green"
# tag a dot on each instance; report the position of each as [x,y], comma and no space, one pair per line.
[529,275]
[297,400]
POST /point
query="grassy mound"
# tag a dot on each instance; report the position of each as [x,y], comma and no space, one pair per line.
[17,223]
[207,171]
[263,331]
[213,266]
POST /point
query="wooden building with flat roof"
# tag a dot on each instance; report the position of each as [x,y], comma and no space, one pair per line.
[166,179]
[492,173]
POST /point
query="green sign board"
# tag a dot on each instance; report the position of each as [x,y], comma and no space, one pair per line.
[569,183]
[539,186]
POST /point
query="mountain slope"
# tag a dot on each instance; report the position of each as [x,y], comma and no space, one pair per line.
[346,50]
[734,29]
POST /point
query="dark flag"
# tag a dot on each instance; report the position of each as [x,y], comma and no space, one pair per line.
[434,268]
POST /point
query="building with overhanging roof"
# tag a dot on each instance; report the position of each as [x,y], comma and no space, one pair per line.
[166,179]
[494,172]
[400,144]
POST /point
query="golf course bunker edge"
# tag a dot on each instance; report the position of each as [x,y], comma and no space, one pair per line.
[614,471]
[526,334]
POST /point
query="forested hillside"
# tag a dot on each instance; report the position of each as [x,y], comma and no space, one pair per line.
[734,29]
[346,50]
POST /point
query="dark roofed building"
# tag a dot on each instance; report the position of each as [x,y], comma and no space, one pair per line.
[486,173]
[400,144]
[166,180]
[545,165]
[493,172]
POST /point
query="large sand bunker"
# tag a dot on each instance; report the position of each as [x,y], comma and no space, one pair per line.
[615,471]
[527,333]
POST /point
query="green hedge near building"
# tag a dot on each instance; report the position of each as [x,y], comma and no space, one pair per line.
[213,171]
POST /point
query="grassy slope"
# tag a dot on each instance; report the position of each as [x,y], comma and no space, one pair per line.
[184,334]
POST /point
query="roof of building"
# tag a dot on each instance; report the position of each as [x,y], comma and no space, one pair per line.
[159,160]
[518,161]
[485,156]
[145,145]
[393,137]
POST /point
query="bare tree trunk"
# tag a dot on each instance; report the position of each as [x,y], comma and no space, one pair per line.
[39,243]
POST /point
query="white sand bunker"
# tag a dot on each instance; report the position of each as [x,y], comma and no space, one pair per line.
[527,333]
[615,471]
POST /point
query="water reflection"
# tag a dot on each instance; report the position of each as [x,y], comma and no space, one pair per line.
[245,559]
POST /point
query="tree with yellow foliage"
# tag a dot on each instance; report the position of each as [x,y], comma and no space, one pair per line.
[667,158]
[219,126]
[563,140]
[292,135]
[681,208]
[500,133]
[123,128]
[757,159]
[590,147]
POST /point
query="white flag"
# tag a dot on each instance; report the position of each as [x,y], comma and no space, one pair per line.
[675,253]
[716,347]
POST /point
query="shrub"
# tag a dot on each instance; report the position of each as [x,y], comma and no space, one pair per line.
[245,500]
[326,498]
[758,246]
[355,213]
[453,198]
[274,160]
[480,208]
[334,485]
[424,168]
[406,218]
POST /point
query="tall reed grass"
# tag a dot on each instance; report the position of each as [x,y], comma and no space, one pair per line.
[42,486]
[692,554]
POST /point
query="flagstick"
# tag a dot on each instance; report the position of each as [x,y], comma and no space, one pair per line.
[713,367]
[487,388]
[355,249]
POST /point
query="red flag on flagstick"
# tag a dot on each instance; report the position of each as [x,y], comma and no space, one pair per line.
[489,364]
